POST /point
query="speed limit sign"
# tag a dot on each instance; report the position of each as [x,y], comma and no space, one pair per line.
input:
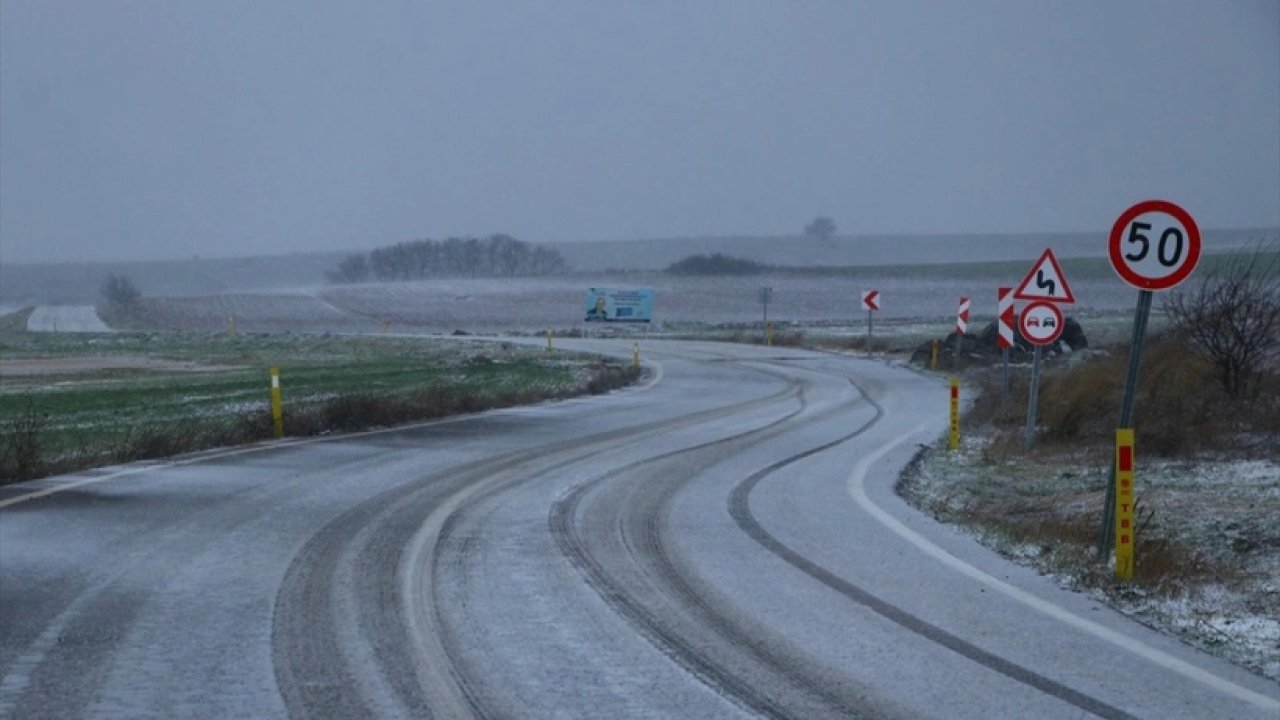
[1154,245]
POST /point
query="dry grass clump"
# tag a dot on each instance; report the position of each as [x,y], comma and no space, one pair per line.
[1181,409]
[21,454]
[1032,509]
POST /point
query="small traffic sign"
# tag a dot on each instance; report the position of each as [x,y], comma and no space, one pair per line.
[1154,245]
[1046,281]
[871,300]
[1041,322]
[962,317]
[1004,318]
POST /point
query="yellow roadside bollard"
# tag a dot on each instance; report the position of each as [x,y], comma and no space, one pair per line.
[1126,533]
[768,334]
[954,440]
[277,409]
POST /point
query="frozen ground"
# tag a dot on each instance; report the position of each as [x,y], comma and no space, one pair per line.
[723,540]
[1225,513]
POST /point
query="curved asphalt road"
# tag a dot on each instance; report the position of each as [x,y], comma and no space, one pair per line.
[722,541]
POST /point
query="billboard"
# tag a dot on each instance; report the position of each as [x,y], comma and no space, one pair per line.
[610,305]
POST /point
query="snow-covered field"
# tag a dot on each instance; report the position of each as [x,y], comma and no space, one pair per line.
[66,318]
[536,304]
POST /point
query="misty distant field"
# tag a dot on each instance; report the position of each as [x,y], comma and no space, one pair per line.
[917,298]
[909,294]
[872,250]
[922,296]
[78,283]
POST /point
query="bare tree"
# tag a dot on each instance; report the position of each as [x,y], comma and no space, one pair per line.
[354,268]
[119,291]
[822,228]
[1232,316]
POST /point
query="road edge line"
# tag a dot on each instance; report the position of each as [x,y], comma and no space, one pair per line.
[857,489]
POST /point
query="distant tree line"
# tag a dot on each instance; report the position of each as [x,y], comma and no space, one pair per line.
[494,256]
[716,264]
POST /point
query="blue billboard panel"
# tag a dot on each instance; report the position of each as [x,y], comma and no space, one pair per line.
[610,305]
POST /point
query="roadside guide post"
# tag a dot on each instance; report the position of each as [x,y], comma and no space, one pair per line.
[962,326]
[933,358]
[1154,246]
[635,355]
[1041,322]
[277,408]
[231,325]
[766,294]
[871,303]
[953,441]
[1125,529]
[1004,336]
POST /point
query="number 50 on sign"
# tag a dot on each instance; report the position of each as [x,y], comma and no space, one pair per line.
[1154,245]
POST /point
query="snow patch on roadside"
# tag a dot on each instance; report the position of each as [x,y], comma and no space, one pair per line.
[1225,511]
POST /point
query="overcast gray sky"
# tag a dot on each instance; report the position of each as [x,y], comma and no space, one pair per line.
[133,129]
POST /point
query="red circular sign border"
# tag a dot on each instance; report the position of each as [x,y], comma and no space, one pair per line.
[1062,320]
[1193,240]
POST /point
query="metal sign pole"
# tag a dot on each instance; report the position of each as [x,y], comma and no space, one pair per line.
[1029,436]
[1140,317]
[870,325]
[1005,354]
[764,295]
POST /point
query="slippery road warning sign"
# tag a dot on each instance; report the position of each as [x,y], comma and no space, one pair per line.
[1046,281]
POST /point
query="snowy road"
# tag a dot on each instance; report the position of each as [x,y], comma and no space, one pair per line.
[66,318]
[721,542]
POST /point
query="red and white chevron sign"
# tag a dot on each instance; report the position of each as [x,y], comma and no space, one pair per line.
[1004,317]
[962,316]
[871,300]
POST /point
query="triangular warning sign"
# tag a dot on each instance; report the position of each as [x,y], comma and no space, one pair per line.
[1045,282]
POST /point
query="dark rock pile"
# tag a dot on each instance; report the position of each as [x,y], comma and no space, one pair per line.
[982,348]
